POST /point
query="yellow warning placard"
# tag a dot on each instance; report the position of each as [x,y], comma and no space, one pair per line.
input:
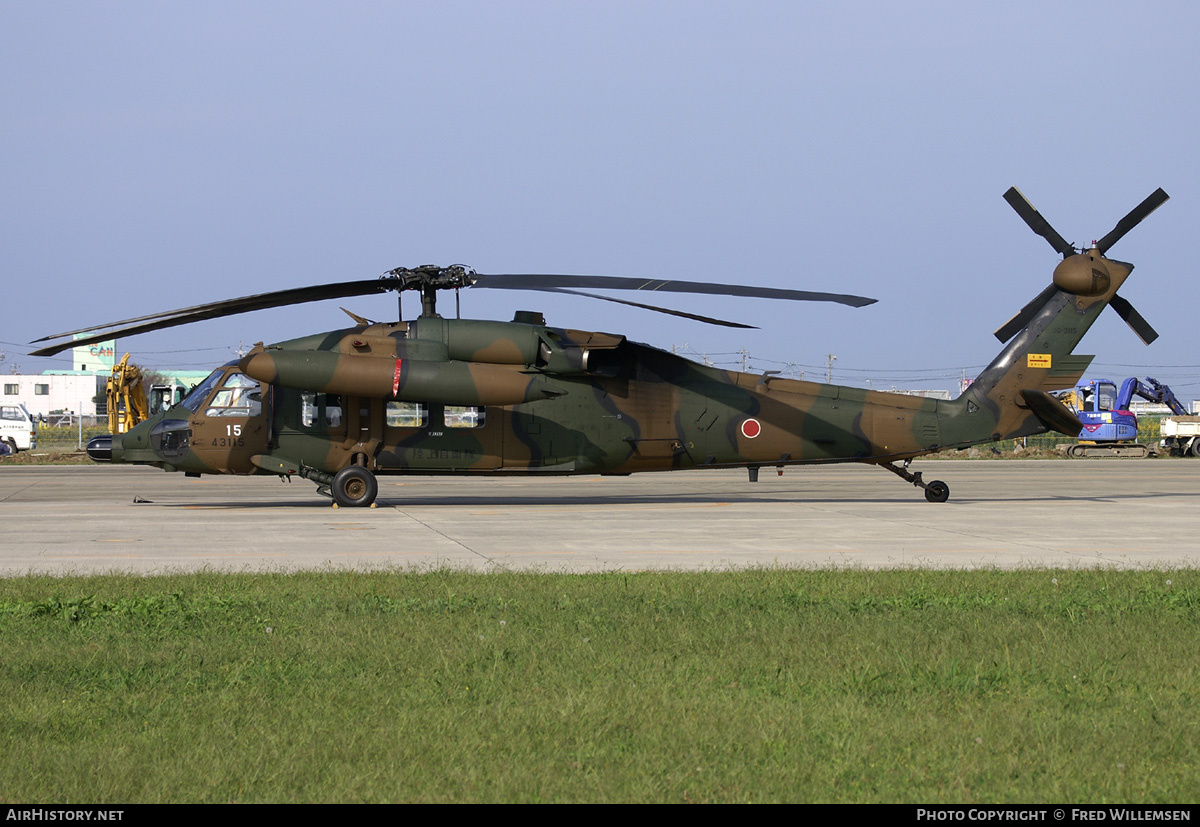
[1038,360]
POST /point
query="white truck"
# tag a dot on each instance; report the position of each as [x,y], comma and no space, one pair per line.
[17,428]
[1181,436]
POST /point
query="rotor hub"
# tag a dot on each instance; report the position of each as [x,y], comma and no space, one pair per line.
[431,277]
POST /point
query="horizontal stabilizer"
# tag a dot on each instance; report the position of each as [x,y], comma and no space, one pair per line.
[1067,372]
[1052,413]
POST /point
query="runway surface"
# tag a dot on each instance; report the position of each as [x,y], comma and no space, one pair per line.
[1001,513]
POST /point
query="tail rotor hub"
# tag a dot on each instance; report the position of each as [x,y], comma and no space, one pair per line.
[1084,274]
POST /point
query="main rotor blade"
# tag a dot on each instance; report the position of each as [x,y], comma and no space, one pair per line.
[1133,318]
[429,278]
[693,316]
[1153,201]
[215,310]
[552,282]
[1034,219]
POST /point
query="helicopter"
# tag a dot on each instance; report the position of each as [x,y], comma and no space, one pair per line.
[458,396]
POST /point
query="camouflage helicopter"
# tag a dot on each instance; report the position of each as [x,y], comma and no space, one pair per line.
[457,396]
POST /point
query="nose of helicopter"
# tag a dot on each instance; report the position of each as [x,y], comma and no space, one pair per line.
[101,448]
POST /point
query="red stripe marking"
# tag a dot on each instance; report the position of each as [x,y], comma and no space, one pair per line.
[396,378]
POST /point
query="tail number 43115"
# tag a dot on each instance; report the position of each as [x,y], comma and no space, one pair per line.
[232,438]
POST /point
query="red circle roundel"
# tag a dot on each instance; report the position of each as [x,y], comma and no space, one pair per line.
[751,428]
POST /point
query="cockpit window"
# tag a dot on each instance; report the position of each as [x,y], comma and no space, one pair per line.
[196,398]
[238,396]
[240,380]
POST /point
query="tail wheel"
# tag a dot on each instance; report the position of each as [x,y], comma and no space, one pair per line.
[937,492]
[354,486]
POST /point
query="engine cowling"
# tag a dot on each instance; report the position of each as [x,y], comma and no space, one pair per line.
[449,382]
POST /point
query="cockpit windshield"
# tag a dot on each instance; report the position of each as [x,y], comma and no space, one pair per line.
[239,395]
[196,398]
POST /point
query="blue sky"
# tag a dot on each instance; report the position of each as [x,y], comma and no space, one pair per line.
[159,155]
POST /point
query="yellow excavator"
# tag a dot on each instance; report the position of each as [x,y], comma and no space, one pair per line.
[126,397]
[129,401]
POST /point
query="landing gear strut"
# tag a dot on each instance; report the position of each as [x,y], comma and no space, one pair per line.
[935,491]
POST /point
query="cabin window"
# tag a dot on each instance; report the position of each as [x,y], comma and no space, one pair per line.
[461,416]
[9,412]
[322,411]
[239,396]
[407,414]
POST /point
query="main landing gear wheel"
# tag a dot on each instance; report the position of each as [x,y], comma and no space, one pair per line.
[937,492]
[354,486]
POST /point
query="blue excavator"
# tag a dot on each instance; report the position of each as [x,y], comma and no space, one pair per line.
[1110,429]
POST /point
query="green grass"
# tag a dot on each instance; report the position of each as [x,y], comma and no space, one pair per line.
[768,685]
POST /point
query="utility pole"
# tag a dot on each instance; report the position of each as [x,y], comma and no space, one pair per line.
[829,360]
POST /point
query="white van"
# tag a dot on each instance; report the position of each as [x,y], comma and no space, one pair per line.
[17,427]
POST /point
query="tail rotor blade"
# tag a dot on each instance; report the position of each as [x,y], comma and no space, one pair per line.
[1133,318]
[1035,221]
[1020,321]
[1153,201]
